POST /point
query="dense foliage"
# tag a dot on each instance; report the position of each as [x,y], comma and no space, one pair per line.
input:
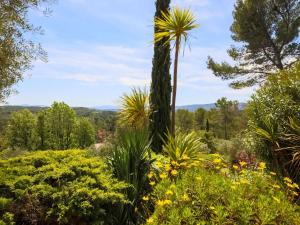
[267,32]
[160,93]
[209,193]
[130,162]
[54,128]
[21,132]
[274,121]
[58,187]
[17,49]
[225,121]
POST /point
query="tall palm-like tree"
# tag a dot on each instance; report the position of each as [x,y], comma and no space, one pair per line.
[175,25]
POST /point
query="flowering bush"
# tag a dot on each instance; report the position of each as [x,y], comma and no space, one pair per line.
[213,192]
[58,187]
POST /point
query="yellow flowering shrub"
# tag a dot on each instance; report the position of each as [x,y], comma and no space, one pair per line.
[213,192]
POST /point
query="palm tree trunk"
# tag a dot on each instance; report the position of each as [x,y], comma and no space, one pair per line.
[177,45]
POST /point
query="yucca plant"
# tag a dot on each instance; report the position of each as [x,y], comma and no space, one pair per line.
[135,109]
[175,25]
[183,146]
[130,162]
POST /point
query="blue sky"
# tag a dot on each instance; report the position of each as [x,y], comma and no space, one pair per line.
[99,49]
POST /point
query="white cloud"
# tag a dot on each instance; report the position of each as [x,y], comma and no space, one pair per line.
[97,64]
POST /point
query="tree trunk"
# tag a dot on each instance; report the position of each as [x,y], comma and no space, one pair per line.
[175,86]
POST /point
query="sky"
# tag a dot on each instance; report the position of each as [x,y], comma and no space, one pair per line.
[99,49]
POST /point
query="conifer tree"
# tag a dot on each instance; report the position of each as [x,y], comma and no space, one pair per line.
[160,95]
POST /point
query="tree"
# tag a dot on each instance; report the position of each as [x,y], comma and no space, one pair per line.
[17,51]
[41,130]
[227,110]
[61,124]
[174,25]
[184,120]
[199,119]
[160,94]
[21,131]
[268,31]
[85,133]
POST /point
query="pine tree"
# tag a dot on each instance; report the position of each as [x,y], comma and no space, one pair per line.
[160,95]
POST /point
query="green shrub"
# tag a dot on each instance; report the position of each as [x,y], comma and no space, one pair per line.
[270,113]
[211,194]
[130,162]
[59,187]
[182,146]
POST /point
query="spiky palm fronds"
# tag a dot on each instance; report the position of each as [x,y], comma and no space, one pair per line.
[175,24]
[183,145]
[135,108]
[131,163]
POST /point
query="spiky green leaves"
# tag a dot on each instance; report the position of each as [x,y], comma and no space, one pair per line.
[175,24]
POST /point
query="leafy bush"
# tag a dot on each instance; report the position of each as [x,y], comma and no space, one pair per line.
[211,194]
[58,187]
[182,146]
[270,112]
[130,162]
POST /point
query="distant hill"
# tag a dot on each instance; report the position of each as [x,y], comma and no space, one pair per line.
[193,108]
[106,108]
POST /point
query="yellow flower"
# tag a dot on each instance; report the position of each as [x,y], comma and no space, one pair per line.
[158,164]
[242,163]
[169,192]
[217,160]
[150,220]
[185,157]
[276,186]
[168,167]
[276,199]
[167,202]
[160,202]
[174,163]
[288,180]
[262,165]
[146,198]
[273,174]
[185,197]
[150,175]
[295,193]
[174,172]
[212,208]
[295,185]
[235,167]
[289,185]
[163,176]
[152,183]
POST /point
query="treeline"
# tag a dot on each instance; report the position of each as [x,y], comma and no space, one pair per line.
[57,127]
[225,121]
